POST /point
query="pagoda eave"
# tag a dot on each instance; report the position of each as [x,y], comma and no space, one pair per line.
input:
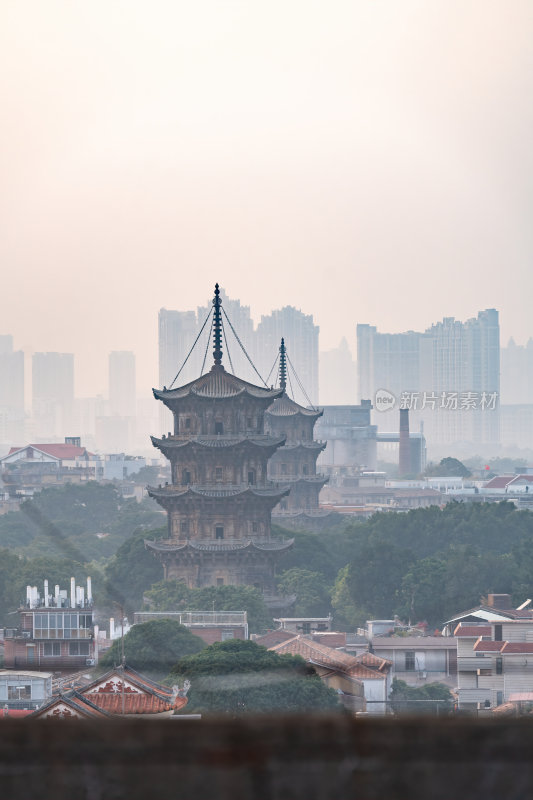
[238,545]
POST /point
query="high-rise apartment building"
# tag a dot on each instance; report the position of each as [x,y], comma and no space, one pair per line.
[52,393]
[338,376]
[517,373]
[396,362]
[11,392]
[301,339]
[448,377]
[122,384]
[178,331]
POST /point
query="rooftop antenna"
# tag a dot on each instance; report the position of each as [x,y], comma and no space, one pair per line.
[217,327]
[282,365]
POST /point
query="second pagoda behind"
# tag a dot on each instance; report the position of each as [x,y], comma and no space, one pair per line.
[220,500]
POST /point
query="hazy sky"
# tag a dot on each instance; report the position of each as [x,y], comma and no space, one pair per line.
[365,161]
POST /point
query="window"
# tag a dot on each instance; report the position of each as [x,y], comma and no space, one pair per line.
[187,423]
[249,423]
[219,533]
[499,665]
[220,581]
[251,476]
[219,427]
[52,649]
[227,633]
[255,527]
[499,698]
[79,649]
[306,627]
[409,660]
[219,473]
[185,477]
[19,692]
[497,633]
[184,526]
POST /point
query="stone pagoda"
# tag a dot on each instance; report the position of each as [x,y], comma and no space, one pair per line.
[295,463]
[220,500]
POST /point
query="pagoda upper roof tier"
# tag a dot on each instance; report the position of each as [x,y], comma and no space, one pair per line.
[312,513]
[314,446]
[285,407]
[223,441]
[228,546]
[315,480]
[217,384]
[217,491]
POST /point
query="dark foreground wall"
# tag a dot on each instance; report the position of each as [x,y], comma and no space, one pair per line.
[267,759]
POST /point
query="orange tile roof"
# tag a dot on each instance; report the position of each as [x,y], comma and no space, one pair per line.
[76,705]
[371,660]
[315,651]
[321,654]
[147,696]
[272,638]
[136,703]
[472,630]
[362,672]
[15,712]
[517,647]
[331,639]
[55,449]
[484,646]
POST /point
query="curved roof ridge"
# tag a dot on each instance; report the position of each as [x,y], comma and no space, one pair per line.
[217,383]
[284,406]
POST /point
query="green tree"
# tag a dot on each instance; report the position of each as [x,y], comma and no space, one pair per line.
[448,467]
[132,571]
[176,596]
[312,593]
[346,615]
[432,698]
[237,677]
[152,648]
[82,522]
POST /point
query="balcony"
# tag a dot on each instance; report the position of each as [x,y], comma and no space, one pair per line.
[204,618]
[473,663]
[474,696]
[50,663]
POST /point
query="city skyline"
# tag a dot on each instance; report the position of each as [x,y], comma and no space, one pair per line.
[83,388]
[368,163]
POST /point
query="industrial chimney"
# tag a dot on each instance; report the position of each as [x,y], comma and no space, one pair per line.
[405,445]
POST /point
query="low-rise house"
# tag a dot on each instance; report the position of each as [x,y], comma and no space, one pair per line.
[55,631]
[211,626]
[494,653]
[24,689]
[419,659]
[305,625]
[341,672]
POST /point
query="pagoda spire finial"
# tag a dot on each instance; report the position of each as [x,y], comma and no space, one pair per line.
[282,365]
[217,327]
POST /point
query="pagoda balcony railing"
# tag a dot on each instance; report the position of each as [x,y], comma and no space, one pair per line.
[226,486]
[222,437]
